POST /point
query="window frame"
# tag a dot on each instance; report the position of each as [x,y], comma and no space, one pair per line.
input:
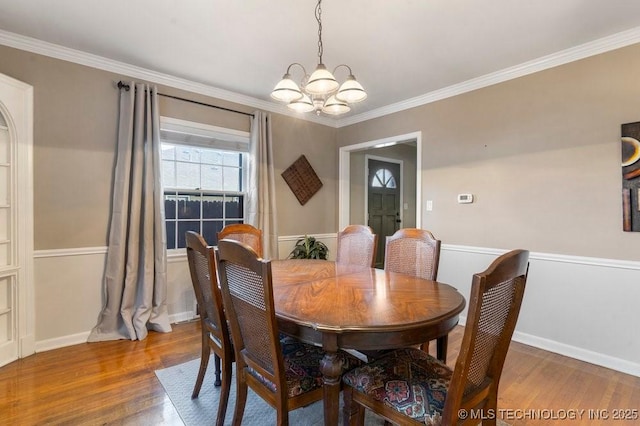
[194,134]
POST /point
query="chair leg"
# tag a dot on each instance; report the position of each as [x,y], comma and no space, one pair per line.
[216,362]
[352,412]
[491,406]
[241,399]
[225,390]
[204,362]
[441,348]
[282,415]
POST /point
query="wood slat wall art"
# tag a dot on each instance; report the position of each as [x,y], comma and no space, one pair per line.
[302,180]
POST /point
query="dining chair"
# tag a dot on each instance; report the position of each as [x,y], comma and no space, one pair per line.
[245,233]
[413,251]
[416,252]
[357,245]
[213,324]
[408,386]
[282,370]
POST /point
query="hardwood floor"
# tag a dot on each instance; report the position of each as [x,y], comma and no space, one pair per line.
[114,383]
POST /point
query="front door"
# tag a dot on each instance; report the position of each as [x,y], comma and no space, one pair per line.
[383,201]
[16,220]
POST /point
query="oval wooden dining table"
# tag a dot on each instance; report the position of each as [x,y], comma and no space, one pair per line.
[342,306]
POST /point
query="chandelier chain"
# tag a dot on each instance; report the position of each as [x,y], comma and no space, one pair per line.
[319,19]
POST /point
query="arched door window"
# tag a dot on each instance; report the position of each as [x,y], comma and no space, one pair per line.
[384,179]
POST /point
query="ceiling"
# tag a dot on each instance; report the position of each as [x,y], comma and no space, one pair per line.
[400,50]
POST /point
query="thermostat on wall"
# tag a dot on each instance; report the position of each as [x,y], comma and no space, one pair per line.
[465,198]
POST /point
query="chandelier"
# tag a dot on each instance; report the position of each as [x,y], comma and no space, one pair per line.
[320,91]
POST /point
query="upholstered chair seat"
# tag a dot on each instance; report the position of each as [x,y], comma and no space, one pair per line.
[302,366]
[410,381]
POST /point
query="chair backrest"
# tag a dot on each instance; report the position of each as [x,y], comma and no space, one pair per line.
[413,251]
[494,306]
[247,291]
[202,266]
[244,233]
[357,245]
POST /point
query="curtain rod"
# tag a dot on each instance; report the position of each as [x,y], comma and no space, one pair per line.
[125,86]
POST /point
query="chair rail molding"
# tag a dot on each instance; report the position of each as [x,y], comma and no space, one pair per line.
[564,305]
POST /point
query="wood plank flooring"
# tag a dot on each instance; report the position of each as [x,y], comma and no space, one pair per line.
[114,383]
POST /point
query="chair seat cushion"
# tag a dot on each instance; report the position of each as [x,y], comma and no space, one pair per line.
[302,366]
[408,380]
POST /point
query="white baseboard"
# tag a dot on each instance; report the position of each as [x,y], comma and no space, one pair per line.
[569,351]
[75,339]
[591,357]
[61,342]
[182,317]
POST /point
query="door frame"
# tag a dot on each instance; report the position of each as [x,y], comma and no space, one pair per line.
[16,104]
[344,155]
[368,157]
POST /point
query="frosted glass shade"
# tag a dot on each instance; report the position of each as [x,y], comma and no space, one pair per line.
[303,104]
[321,82]
[334,106]
[286,90]
[351,91]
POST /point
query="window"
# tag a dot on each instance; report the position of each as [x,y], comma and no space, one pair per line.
[203,178]
[384,179]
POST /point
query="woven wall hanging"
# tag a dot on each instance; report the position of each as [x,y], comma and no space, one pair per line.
[302,179]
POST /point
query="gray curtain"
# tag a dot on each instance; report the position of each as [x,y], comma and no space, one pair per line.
[135,274]
[261,203]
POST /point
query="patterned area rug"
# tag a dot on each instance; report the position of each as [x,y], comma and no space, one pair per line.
[178,382]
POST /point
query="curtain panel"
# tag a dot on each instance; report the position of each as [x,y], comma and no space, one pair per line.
[135,276]
[261,194]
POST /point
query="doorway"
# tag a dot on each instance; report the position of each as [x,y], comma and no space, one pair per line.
[384,198]
[17,317]
[351,199]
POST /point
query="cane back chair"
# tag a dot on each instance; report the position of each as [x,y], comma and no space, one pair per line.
[357,245]
[243,232]
[282,370]
[408,386]
[215,332]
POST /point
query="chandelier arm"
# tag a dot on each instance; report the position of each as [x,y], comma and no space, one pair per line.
[300,65]
[343,65]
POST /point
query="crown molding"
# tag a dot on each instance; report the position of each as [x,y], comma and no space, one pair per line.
[51,50]
[602,45]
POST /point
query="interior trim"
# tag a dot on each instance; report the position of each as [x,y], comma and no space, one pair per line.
[83,58]
[605,44]
[551,257]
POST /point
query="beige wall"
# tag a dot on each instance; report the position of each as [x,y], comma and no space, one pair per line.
[291,139]
[541,154]
[76,114]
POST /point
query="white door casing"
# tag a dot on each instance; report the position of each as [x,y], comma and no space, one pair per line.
[17,300]
[344,192]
